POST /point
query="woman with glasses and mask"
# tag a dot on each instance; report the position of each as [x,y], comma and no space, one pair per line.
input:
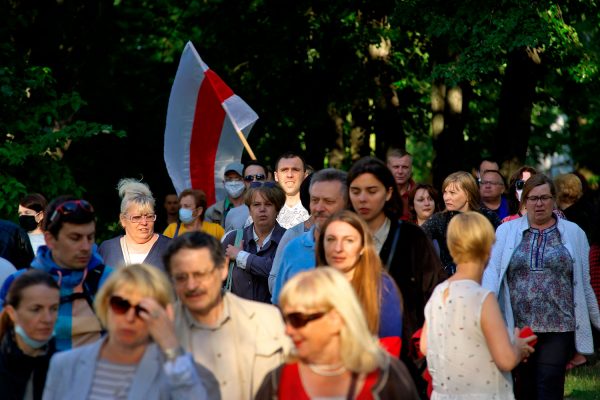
[251,250]
[31,217]
[192,204]
[139,243]
[335,355]
[139,357]
[539,268]
[26,335]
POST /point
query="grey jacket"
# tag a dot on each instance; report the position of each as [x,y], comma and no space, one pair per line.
[72,372]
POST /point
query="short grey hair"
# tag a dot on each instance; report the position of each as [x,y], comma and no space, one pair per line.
[332,175]
[136,192]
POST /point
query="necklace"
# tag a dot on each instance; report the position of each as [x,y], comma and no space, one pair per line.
[327,369]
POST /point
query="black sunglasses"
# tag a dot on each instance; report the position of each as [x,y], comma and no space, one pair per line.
[71,206]
[121,306]
[257,177]
[519,184]
[269,184]
[298,320]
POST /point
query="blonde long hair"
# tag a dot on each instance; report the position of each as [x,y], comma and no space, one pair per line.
[327,288]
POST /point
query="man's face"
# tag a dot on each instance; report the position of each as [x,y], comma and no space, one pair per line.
[171,204]
[491,186]
[232,176]
[290,174]
[72,248]
[326,198]
[197,280]
[256,172]
[401,168]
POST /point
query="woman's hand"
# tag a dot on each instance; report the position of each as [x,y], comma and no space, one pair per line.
[232,251]
[160,323]
[522,345]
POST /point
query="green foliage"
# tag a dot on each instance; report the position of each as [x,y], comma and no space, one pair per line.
[37,129]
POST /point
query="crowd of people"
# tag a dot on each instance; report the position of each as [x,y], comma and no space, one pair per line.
[300,284]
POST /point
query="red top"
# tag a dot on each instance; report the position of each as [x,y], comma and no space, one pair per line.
[290,385]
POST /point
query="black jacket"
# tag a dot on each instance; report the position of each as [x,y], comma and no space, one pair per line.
[16,368]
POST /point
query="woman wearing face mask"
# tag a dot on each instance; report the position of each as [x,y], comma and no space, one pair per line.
[26,329]
[346,244]
[192,204]
[140,243]
[460,194]
[31,217]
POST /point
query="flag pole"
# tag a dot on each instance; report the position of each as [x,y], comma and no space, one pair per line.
[239,133]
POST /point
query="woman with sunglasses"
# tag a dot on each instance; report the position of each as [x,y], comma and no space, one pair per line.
[335,354]
[139,243]
[140,357]
[31,217]
[26,335]
[540,270]
[346,244]
[251,250]
[516,207]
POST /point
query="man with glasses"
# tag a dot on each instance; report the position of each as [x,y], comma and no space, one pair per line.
[234,186]
[238,217]
[491,190]
[71,257]
[239,341]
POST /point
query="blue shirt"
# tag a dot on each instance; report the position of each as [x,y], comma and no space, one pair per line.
[299,255]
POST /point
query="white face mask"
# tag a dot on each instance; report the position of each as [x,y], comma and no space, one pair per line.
[235,188]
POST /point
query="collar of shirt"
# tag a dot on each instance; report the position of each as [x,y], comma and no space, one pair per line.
[382,233]
[256,238]
[193,323]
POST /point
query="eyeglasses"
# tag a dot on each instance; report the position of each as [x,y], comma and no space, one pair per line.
[491,183]
[544,199]
[298,320]
[257,177]
[269,184]
[121,306]
[519,184]
[70,207]
[136,219]
[181,279]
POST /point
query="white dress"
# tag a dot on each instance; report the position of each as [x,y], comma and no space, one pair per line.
[458,358]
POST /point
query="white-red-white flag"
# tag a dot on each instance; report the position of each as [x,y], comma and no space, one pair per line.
[200,138]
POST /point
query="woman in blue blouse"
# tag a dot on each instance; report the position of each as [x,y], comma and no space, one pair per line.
[346,244]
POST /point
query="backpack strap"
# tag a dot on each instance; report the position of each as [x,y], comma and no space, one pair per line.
[177,229]
[90,287]
[239,234]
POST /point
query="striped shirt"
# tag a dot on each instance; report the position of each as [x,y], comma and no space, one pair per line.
[111,380]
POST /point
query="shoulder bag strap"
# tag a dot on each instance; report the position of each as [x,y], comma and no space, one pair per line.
[177,229]
[390,258]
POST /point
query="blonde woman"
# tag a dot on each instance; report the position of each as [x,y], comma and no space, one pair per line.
[335,354]
[468,348]
[140,357]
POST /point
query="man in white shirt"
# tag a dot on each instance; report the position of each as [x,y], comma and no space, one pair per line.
[290,171]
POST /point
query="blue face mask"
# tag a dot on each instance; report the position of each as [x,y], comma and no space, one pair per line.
[186,215]
[35,344]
